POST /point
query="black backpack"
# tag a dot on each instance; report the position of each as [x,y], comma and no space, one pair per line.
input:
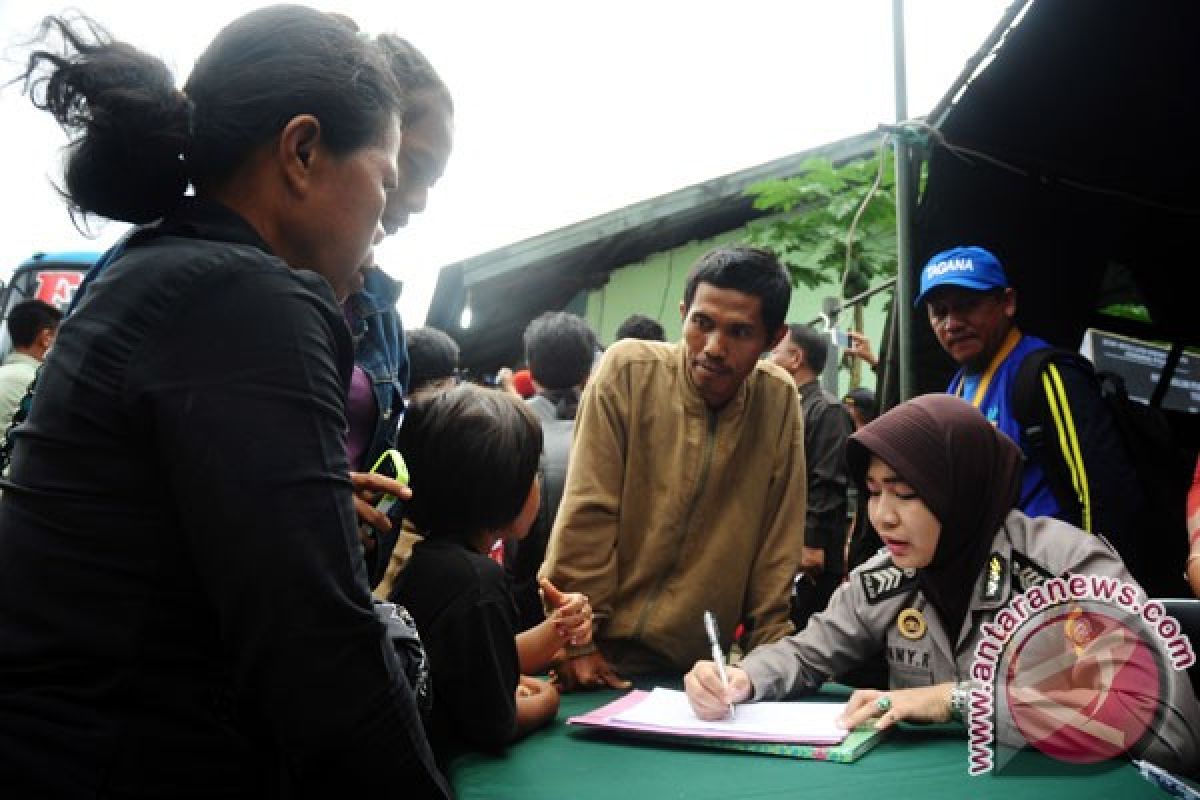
[1164,467]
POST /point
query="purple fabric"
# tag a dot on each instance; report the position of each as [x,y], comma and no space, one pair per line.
[360,414]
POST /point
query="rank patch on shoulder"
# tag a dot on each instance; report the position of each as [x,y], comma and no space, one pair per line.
[1027,573]
[994,584]
[884,582]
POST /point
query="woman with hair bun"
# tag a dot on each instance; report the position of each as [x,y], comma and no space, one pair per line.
[184,609]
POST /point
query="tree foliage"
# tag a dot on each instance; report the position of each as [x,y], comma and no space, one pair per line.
[812,215]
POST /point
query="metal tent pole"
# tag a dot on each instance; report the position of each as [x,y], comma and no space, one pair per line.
[902,306]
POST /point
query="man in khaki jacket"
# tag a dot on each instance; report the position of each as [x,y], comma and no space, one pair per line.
[686,485]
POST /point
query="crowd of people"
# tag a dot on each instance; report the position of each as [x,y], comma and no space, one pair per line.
[202,594]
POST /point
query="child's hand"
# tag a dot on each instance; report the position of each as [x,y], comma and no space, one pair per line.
[572,614]
[528,686]
[537,704]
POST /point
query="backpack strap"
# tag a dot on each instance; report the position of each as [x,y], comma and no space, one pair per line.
[1042,410]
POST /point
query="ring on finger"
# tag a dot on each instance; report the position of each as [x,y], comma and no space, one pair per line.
[884,703]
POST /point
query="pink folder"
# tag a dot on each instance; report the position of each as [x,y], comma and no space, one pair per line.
[603,718]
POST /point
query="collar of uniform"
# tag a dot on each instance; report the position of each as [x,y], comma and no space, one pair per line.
[993,588]
[694,403]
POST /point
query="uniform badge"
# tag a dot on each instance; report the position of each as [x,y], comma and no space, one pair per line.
[911,623]
[994,583]
[886,581]
[1027,573]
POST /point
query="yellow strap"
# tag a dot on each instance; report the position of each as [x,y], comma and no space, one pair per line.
[1068,440]
[1010,341]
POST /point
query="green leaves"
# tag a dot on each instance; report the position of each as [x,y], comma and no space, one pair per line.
[815,210]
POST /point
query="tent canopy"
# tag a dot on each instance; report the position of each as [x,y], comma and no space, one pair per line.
[1092,110]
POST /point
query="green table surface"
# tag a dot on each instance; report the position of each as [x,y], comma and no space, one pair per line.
[562,762]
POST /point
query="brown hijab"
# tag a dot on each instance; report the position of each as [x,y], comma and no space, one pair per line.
[965,471]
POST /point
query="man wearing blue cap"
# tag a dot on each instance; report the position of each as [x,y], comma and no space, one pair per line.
[971,308]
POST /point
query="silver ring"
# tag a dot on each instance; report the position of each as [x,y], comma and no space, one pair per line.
[884,703]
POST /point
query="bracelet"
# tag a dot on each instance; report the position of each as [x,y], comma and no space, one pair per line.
[960,697]
[578,650]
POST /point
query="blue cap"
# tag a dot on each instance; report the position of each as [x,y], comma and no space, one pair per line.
[969,267]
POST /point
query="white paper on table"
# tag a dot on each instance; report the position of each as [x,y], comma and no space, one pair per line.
[791,722]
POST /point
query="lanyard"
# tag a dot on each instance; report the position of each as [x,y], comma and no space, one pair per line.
[1010,342]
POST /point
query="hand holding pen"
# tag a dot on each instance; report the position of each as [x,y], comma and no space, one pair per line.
[710,625]
[709,695]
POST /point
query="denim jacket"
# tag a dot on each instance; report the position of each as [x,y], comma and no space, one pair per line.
[380,350]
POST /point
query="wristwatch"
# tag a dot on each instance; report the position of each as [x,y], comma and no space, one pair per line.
[960,697]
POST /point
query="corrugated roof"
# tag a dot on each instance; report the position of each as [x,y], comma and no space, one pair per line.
[513,284]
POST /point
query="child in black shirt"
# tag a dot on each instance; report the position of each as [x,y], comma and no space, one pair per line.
[472,457]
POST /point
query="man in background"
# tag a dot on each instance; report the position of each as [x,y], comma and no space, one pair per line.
[802,354]
[1076,467]
[639,326]
[32,325]
[560,349]
[432,359]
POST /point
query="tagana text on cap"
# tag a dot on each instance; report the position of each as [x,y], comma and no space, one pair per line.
[969,267]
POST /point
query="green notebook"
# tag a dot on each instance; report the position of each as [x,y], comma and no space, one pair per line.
[847,750]
[858,742]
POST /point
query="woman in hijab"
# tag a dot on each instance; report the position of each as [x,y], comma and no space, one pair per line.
[941,485]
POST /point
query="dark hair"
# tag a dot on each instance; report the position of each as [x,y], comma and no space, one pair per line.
[639,326]
[472,455]
[29,318]
[137,141]
[419,81]
[432,356]
[863,399]
[751,270]
[560,349]
[814,345]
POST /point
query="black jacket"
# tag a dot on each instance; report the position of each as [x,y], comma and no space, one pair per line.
[183,605]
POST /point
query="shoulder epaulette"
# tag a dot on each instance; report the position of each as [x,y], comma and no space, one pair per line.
[886,581]
[1027,573]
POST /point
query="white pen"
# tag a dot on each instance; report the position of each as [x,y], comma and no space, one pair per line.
[710,625]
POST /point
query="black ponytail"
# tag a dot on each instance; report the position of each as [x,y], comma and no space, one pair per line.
[128,124]
[137,141]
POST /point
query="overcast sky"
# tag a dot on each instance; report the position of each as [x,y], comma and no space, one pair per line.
[565,110]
